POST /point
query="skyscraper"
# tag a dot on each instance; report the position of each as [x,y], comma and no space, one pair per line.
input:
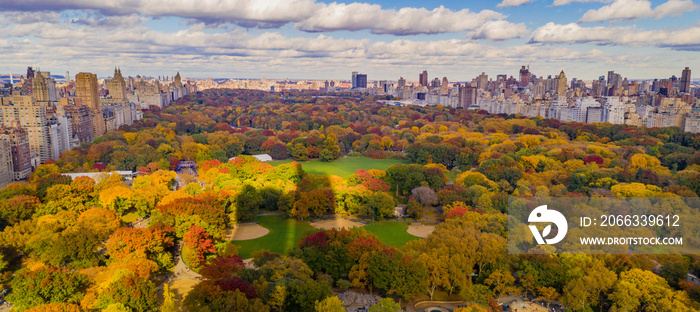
[435,83]
[482,81]
[402,83]
[444,86]
[6,172]
[27,86]
[561,83]
[25,112]
[361,80]
[467,96]
[87,90]
[354,80]
[21,155]
[684,87]
[117,86]
[524,76]
[423,78]
[40,89]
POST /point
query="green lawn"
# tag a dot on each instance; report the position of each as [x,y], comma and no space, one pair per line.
[391,233]
[284,234]
[342,167]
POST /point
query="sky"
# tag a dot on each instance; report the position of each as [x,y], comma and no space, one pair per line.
[387,39]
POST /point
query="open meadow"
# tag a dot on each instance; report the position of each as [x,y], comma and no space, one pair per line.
[342,167]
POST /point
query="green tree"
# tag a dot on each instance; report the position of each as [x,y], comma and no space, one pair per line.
[247,203]
[381,205]
[303,295]
[300,152]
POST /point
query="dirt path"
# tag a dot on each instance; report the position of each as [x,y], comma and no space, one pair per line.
[182,279]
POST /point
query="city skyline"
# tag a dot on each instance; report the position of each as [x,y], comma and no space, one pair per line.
[306,39]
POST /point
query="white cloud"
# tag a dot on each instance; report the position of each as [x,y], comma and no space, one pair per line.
[565,2]
[685,39]
[674,8]
[636,9]
[77,47]
[500,30]
[247,13]
[513,3]
[111,21]
[619,10]
[28,17]
[405,21]
[307,15]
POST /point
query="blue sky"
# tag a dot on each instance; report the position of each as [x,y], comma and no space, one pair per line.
[309,39]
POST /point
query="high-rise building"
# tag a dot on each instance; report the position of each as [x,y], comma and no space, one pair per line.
[177,81]
[87,89]
[444,86]
[40,89]
[117,86]
[435,83]
[21,155]
[423,78]
[25,112]
[614,79]
[402,83]
[467,96]
[684,87]
[482,81]
[361,80]
[28,83]
[80,119]
[524,76]
[6,171]
[50,84]
[561,84]
[354,80]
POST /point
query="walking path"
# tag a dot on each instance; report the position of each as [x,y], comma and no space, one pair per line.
[182,279]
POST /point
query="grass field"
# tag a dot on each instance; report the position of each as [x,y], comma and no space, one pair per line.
[284,234]
[342,167]
[391,233]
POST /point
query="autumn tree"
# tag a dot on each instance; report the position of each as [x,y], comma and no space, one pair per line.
[330,304]
[639,288]
[198,241]
[46,285]
[385,305]
[330,150]
[18,207]
[169,304]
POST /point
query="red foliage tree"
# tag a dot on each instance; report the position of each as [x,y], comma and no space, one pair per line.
[210,164]
[456,212]
[199,241]
[222,267]
[174,161]
[234,283]
[320,240]
[593,158]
